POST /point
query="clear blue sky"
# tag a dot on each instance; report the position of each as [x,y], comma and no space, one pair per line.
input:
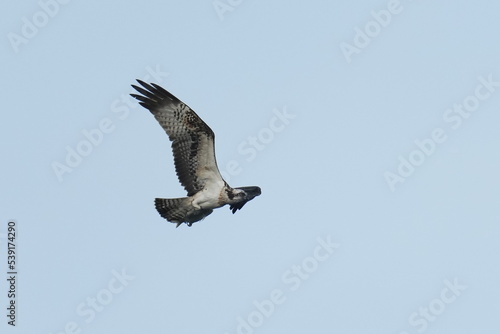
[371,127]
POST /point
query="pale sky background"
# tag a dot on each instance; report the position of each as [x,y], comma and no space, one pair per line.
[418,255]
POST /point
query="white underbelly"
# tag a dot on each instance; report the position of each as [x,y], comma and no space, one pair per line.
[208,198]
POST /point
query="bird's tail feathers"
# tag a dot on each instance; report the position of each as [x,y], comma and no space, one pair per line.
[173,209]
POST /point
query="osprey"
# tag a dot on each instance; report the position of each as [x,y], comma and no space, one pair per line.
[194,158]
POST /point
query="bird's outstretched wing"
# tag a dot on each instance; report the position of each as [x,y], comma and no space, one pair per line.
[192,139]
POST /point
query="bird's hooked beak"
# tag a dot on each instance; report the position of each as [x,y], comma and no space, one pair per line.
[251,192]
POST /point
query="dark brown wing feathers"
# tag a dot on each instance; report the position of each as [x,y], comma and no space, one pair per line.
[192,139]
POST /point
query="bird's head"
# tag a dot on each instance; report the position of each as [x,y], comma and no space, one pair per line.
[243,195]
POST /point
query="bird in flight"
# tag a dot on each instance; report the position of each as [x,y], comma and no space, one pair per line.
[194,157]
